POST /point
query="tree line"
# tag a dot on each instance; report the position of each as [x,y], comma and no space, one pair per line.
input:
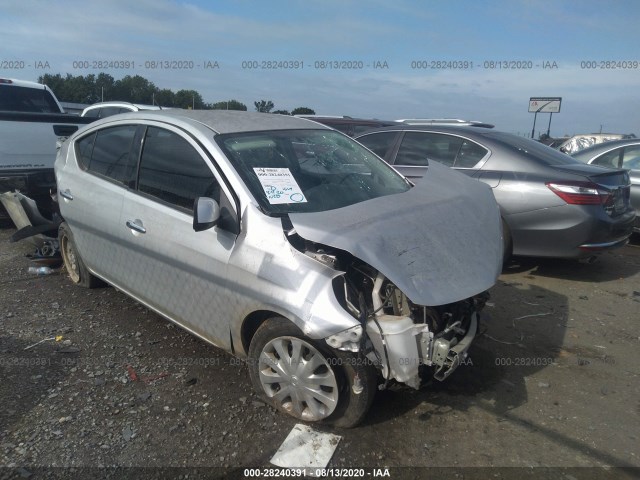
[137,89]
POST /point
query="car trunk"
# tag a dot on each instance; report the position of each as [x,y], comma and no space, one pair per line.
[615,182]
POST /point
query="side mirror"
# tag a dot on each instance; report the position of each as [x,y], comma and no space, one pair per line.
[206,213]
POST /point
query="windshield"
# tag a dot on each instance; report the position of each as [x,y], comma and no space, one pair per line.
[291,171]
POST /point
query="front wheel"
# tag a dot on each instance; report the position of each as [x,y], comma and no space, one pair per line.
[307,379]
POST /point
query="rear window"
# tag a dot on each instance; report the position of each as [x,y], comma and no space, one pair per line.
[532,149]
[92,113]
[610,159]
[25,99]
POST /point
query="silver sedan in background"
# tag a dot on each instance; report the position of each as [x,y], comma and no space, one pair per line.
[551,204]
[618,154]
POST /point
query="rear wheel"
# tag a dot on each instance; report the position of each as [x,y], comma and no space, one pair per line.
[78,272]
[307,379]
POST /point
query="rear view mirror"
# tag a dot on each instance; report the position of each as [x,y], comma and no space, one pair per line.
[206,213]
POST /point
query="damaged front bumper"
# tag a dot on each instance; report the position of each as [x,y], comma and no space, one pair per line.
[403,349]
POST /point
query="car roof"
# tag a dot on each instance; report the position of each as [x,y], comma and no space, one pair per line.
[486,136]
[346,119]
[22,83]
[225,121]
[117,103]
[430,128]
[605,146]
[445,122]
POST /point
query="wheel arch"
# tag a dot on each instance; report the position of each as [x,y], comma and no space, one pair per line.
[252,322]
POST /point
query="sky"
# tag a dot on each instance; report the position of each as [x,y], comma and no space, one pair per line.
[372,59]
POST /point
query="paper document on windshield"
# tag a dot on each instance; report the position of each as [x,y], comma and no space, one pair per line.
[279,185]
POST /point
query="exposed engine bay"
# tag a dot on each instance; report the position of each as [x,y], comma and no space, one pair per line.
[408,343]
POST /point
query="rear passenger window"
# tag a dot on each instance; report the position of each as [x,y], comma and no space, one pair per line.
[173,171]
[420,148]
[84,147]
[379,143]
[27,99]
[469,155]
[111,155]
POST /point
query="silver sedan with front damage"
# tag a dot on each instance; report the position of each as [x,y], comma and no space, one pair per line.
[284,243]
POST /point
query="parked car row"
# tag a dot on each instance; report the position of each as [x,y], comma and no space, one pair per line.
[298,249]
[536,232]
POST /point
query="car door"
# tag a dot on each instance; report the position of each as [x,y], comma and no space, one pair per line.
[631,161]
[173,269]
[92,190]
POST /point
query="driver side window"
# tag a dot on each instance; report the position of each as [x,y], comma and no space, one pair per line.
[172,171]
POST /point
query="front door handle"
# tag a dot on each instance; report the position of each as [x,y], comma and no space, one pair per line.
[136,225]
[66,194]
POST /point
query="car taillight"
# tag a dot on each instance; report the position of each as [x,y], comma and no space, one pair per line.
[580,193]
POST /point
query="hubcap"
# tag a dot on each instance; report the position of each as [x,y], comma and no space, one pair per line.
[297,376]
[70,261]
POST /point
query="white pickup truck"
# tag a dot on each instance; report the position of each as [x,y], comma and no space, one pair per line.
[31,123]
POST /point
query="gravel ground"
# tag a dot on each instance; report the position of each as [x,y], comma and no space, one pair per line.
[551,382]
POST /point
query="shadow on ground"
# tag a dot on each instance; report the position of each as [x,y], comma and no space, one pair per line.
[613,265]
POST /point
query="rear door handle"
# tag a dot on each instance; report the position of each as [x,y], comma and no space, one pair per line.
[134,225]
[66,194]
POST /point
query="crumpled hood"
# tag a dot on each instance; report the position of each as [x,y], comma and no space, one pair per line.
[439,242]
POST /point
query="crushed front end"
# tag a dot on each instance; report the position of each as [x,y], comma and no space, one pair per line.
[409,343]
[414,271]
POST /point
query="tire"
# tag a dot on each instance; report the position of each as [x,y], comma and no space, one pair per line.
[278,345]
[78,272]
